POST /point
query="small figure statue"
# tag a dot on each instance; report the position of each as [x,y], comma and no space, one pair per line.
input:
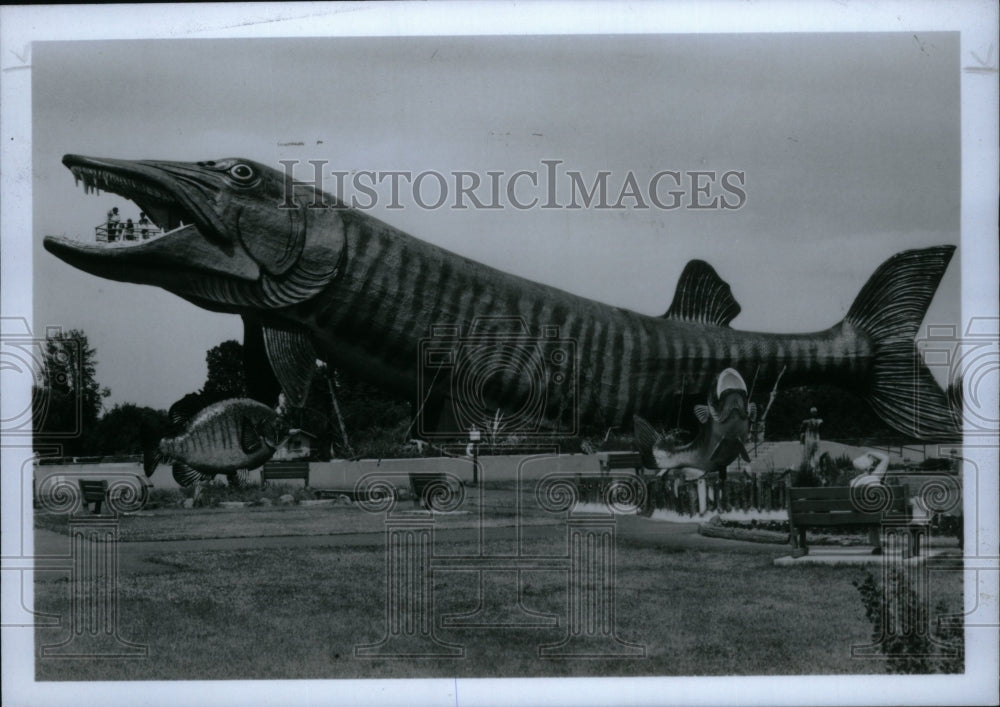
[874,466]
[809,438]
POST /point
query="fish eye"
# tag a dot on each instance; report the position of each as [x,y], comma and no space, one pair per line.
[242,172]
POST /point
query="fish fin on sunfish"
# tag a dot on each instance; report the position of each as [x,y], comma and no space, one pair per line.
[185,476]
[250,438]
[702,296]
[150,460]
[890,309]
[238,479]
[262,384]
[183,410]
[701,412]
[150,443]
[293,360]
[646,439]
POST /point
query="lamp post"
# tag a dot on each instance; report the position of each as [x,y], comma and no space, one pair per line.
[474,436]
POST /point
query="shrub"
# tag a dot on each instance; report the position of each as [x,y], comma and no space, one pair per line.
[936,464]
[165,498]
[218,491]
[910,650]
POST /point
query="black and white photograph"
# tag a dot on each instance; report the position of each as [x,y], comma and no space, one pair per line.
[483,353]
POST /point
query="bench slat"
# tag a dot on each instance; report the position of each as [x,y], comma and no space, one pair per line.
[833,492]
[281,471]
[623,460]
[845,518]
[810,507]
[897,505]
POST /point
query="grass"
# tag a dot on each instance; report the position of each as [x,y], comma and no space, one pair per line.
[168,522]
[275,613]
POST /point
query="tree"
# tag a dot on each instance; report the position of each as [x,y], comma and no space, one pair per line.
[845,416]
[226,375]
[68,402]
[124,429]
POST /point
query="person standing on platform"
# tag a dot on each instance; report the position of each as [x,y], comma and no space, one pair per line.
[114,220]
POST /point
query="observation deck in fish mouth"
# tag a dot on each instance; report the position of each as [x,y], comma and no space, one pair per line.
[103,232]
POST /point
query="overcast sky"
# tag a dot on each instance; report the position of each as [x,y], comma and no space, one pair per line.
[849,144]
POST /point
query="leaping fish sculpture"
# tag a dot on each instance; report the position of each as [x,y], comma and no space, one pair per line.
[312,278]
[725,424]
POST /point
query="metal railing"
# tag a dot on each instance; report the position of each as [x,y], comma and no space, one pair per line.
[110,233]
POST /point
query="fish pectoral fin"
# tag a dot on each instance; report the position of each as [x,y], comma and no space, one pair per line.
[262,384]
[185,476]
[293,360]
[702,296]
[250,439]
[701,412]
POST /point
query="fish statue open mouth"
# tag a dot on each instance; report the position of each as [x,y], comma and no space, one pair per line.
[725,425]
[313,279]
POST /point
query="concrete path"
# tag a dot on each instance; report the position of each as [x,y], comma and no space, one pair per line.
[860,555]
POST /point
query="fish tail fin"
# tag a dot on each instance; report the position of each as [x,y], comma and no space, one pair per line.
[890,309]
[149,441]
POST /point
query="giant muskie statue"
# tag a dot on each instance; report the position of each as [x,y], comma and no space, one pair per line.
[314,279]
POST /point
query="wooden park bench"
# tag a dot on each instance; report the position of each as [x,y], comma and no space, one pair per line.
[622,460]
[818,507]
[591,489]
[93,491]
[282,471]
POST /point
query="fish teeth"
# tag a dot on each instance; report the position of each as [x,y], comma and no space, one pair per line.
[95,180]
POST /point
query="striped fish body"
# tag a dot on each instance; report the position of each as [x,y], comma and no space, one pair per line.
[394,291]
[225,437]
[311,278]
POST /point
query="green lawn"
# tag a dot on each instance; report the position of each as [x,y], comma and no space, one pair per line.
[273,521]
[299,613]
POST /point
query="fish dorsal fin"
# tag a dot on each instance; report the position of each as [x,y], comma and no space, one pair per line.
[702,296]
[183,410]
[701,412]
[250,440]
[646,439]
[293,360]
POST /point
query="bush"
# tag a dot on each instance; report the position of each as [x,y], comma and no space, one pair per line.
[165,498]
[910,650]
[804,476]
[219,491]
[936,464]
